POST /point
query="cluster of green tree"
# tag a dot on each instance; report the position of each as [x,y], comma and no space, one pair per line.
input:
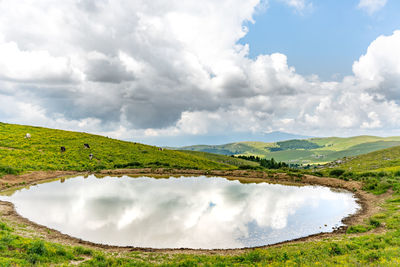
[294,144]
[266,163]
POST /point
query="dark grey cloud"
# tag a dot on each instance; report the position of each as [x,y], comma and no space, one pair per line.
[107,71]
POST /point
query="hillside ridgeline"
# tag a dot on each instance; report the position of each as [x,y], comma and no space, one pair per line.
[308,151]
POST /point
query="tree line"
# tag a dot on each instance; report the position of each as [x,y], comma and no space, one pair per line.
[266,163]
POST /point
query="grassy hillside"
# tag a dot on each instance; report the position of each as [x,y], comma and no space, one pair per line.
[379,170]
[387,160]
[313,150]
[43,152]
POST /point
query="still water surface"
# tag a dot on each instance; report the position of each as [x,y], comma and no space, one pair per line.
[189,212]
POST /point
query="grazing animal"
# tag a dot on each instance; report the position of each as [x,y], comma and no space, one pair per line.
[28,136]
[160,149]
[86,145]
[63,149]
[90,156]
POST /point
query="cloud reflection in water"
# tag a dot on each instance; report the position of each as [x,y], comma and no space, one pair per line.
[191,212]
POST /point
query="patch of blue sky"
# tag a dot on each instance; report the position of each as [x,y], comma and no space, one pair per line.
[325,39]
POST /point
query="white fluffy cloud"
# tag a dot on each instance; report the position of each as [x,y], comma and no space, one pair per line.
[379,68]
[155,68]
[371,6]
[35,66]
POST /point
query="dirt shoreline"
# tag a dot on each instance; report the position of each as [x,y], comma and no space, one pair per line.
[370,204]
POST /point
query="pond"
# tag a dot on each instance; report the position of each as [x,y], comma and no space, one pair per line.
[185,212]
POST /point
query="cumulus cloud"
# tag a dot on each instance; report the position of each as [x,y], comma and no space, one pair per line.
[379,69]
[130,69]
[371,6]
[35,66]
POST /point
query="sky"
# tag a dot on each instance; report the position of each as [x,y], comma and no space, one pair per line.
[176,72]
[333,31]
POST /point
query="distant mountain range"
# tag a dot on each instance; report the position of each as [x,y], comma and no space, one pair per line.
[302,151]
[277,136]
[179,141]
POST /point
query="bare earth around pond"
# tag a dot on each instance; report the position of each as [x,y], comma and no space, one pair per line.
[370,204]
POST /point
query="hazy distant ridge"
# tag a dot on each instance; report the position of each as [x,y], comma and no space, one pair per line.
[311,150]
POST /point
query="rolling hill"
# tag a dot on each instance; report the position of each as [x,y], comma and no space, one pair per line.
[42,151]
[307,151]
[387,160]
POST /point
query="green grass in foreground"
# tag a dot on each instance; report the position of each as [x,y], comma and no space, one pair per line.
[347,250]
[42,152]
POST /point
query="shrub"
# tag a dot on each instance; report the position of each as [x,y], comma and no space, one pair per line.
[348,174]
[100,167]
[367,174]
[335,249]
[381,174]
[83,251]
[374,222]
[4,227]
[255,256]
[377,187]
[357,229]
[336,172]
[372,256]
[9,170]
[318,173]
[129,164]
[37,248]
[252,256]
[60,251]
[247,167]
[160,164]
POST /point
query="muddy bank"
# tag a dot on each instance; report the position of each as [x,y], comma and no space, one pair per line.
[370,204]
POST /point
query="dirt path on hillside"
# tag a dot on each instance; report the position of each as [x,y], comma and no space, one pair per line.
[370,204]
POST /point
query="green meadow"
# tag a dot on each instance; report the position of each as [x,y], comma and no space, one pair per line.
[375,242]
[378,170]
[43,152]
[386,160]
